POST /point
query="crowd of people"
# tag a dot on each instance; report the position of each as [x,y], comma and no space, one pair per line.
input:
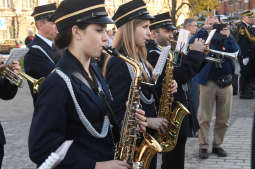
[85,95]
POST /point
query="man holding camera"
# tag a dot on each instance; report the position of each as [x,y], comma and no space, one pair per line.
[215,81]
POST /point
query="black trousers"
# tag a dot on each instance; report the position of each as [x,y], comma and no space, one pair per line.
[246,76]
[175,158]
[253,145]
[153,164]
[1,154]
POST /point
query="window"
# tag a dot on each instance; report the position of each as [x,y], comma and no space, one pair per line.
[230,3]
[27,4]
[6,4]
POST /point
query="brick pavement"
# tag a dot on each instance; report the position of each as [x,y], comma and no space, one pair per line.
[16,117]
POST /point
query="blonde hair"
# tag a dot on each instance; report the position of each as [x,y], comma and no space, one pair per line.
[125,39]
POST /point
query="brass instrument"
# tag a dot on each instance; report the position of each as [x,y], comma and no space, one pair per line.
[128,149]
[232,56]
[17,79]
[175,117]
[180,54]
[244,31]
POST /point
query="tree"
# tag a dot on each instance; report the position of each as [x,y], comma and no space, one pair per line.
[205,6]
[174,9]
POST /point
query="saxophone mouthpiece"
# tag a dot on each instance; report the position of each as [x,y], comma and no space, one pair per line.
[111,51]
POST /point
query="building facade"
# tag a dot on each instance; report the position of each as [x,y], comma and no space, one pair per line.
[235,7]
[16,20]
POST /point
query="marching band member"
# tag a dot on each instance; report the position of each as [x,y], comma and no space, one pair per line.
[73,102]
[41,59]
[132,21]
[7,91]
[246,41]
[161,34]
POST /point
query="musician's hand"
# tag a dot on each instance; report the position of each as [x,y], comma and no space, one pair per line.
[141,120]
[173,87]
[15,67]
[113,164]
[198,45]
[158,124]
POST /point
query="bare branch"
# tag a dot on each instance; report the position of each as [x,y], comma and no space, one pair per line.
[182,4]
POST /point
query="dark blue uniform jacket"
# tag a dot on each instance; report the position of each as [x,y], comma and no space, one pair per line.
[36,63]
[7,91]
[55,119]
[190,66]
[119,80]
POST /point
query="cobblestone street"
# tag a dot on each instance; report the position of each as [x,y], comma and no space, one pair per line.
[16,117]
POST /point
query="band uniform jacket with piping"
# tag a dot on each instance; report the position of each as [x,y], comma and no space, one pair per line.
[36,63]
[119,79]
[55,119]
[191,64]
[7,91]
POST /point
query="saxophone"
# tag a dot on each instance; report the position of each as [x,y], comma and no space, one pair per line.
[129,149]
[175,117]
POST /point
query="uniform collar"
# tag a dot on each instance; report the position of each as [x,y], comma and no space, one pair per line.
[49,42]
[246,23]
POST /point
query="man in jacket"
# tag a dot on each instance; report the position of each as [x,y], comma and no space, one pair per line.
[246,41]
[162,33]
[41,58]
[215,81]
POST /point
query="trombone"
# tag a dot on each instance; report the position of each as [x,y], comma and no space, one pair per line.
[17,79]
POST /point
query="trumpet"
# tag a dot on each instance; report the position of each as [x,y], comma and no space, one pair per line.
[17,79]
[232,56]
[180,54]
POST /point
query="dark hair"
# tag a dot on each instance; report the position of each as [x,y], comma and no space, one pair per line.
[219,27]
[188,21]
[64,37]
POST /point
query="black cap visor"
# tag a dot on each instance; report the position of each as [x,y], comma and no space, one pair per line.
[100,20]
[48,17]
[145,16]
[96,17]
[169,27]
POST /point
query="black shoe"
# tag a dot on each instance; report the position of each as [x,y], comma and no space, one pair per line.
[220,152]
[203,153]
[246,95]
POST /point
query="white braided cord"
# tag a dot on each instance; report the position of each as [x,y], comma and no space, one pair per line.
[84,120]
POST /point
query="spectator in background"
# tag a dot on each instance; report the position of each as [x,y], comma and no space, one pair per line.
[110,34]
[190,25]
[215,81]
[29,38]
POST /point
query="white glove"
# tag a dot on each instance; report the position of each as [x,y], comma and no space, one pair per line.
[245,61]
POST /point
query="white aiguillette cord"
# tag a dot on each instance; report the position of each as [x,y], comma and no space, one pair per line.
[84,120]
[161,61]
[56,157]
